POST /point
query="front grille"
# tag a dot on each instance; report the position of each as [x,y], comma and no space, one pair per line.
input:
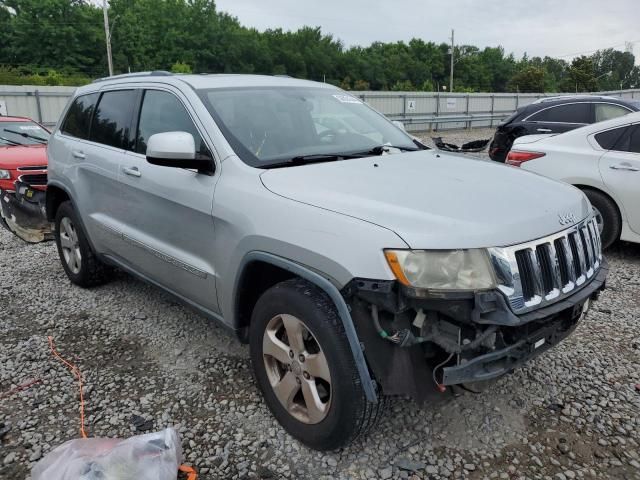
[546,270]
[35,179]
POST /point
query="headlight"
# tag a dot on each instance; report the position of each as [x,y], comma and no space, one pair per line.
[5,174]
[442,269]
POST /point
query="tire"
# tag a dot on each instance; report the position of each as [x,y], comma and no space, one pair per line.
[344,412]
[606,209]
[78,259]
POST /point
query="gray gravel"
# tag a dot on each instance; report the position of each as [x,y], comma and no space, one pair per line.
[459,137]
[573,413]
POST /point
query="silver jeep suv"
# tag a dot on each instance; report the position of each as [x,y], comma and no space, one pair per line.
[356,262]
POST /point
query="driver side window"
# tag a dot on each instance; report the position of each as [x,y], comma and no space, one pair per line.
[163,112]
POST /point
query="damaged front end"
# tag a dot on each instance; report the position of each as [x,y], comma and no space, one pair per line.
[23,213]
[420,343]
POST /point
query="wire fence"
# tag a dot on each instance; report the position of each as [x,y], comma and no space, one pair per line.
[419,111]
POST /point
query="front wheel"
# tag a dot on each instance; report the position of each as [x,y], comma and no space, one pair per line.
[607,217]
[305,369]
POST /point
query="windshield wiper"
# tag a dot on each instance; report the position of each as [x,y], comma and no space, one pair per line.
[26,135]
[11,142]
[380,149]
[312,158]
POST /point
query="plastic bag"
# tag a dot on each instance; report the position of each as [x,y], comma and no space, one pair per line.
[155,456]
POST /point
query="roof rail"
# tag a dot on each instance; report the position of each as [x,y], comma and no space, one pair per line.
[155,73]
[572,97]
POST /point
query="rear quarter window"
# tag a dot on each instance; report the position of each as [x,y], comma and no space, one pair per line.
[78,119]
[610,138]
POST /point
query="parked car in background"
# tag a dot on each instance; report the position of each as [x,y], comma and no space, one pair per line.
[23,177]
[356,263]
[603,160]
[556,115]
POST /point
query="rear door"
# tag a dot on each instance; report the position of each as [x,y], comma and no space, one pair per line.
[167,212]
[620,170]
[560,118]
[95,156]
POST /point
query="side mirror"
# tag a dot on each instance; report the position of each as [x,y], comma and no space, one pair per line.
[400,125]
[175,149]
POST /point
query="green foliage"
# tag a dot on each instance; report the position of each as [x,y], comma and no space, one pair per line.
[181,67]
[528,80]
[52,42]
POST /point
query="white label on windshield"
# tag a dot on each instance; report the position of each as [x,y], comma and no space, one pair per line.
[29,127]
[346,98]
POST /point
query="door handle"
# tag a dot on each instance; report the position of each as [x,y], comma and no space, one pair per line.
[544,130]
[78,154]
[133,171]
[624,166]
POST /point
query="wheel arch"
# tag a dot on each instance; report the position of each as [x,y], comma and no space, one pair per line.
[584,187]
[55,196]
[255,265]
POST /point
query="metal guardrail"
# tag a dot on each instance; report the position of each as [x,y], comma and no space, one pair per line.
[432,120]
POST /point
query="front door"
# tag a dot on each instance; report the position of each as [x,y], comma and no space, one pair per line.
[167,223]
[620,170]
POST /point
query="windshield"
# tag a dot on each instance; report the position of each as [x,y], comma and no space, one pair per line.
[22,133]
[267,125]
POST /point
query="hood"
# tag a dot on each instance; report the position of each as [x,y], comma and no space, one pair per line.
[435,200]
[12,157]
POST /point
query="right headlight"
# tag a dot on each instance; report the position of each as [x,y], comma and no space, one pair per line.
[452,270]
[5,174]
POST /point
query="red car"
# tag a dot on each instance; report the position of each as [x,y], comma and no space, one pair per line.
[23,177]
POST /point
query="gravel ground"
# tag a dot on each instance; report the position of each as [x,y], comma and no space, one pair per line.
[572,413]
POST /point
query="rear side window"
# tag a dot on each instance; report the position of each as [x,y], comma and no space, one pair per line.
[163,112]
[78,119]
[630,141]
[608,139]
[571,113]
[111,124]
[605,111]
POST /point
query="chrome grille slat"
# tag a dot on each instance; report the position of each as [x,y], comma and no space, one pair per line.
[546,270]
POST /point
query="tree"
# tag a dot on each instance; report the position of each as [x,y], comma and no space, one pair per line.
[528,80]
[580,76]
[181,67]
[51,41]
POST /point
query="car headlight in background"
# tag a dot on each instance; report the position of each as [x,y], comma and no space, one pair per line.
[5,174]
[442,269]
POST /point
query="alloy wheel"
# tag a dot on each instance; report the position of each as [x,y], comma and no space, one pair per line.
[297,369]
[70,245]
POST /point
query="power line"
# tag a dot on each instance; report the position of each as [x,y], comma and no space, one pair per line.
[597,49]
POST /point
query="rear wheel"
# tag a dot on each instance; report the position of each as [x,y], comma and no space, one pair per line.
[607,217]
[305,369]
[78,260]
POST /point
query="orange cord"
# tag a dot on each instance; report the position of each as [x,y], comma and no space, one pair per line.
[76,372]
[191,473]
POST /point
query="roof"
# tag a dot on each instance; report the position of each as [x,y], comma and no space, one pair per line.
[203,81]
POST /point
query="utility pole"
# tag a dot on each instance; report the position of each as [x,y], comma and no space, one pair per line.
[451,74]
[107,36]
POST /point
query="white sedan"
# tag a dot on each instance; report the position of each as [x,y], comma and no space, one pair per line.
[603,160]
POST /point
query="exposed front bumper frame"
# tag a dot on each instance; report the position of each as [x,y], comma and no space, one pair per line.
[495,364]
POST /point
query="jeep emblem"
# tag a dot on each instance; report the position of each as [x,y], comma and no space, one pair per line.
[566,218]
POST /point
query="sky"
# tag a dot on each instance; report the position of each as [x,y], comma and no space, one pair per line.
[560,28]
